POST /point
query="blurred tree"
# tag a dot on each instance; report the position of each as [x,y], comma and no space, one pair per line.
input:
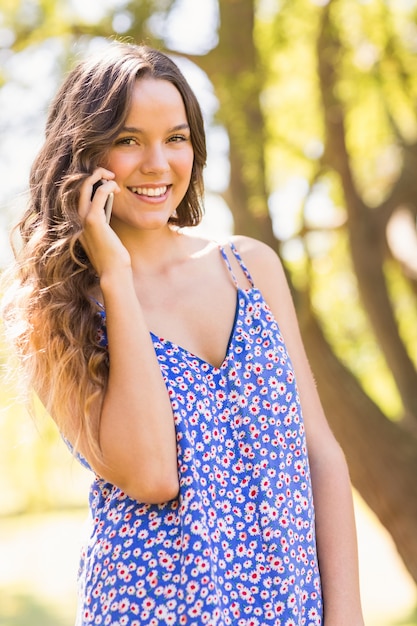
[323,93]
[382,453]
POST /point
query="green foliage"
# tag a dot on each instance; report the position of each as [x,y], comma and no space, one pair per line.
[336,300]
[376,84]
[291,100]
[37,472]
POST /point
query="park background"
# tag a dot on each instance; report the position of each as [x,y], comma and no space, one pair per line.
[310,109]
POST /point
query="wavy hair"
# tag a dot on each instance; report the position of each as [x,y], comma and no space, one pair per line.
[49,315]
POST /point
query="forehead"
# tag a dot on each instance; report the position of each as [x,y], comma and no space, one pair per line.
[156,98]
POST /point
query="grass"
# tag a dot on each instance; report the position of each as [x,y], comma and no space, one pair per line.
[38,568]
[22,609]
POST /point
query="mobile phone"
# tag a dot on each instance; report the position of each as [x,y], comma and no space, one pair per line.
[109,202]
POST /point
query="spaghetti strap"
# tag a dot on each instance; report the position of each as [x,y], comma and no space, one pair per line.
[241,263]
[102,327]
[99,304]
[229,267]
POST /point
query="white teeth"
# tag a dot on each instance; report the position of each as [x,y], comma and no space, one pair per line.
[149,191]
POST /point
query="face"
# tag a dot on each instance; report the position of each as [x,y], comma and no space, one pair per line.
[152,157]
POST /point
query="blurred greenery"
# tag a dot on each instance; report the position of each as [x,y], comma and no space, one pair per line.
[37,473]
[20,609]
[38,566]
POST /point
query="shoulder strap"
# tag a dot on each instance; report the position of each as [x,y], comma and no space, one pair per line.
[102,328]
[239,260]
[99,304]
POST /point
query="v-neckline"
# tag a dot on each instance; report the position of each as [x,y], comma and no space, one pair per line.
[215,368]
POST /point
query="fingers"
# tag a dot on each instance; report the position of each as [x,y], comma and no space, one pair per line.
[100,242]
[92,204]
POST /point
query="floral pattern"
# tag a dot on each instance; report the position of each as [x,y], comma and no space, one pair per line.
[238,545]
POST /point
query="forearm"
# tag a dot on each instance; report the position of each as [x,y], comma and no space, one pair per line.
[336,540]
[136,430]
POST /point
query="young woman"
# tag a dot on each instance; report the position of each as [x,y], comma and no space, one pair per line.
[169,364]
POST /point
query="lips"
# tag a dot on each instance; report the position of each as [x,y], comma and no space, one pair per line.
[150,192]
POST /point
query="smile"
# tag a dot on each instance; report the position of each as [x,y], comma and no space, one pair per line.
[150,192]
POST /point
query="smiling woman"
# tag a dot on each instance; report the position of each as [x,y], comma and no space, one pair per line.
[152,156]
[174,368]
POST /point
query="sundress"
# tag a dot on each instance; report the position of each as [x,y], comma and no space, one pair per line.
[238,544]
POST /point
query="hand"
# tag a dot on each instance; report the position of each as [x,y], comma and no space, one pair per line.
[100,242]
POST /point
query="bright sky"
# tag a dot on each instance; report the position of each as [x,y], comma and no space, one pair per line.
[191,26]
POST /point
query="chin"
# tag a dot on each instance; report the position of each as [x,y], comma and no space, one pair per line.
[144,223]
[154,225]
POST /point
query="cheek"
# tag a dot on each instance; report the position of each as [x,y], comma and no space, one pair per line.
[119,164]
[185,164]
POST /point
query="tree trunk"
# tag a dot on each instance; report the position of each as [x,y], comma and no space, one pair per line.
[238,78]
[382,458]
[366,226]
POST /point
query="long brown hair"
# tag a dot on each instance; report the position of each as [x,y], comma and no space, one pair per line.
[49,315]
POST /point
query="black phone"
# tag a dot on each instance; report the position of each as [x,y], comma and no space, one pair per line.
[109,202]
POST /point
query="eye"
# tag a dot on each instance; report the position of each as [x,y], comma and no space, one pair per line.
[126,141]
[178,138]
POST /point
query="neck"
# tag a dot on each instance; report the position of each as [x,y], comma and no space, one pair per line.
[151,249]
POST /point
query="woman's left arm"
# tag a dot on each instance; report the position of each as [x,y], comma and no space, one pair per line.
[332,493]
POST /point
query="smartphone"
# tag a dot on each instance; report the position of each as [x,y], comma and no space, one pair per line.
[109,202]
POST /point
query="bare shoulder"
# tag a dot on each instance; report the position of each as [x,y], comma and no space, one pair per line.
[262,261]
[269,277]
[253,248]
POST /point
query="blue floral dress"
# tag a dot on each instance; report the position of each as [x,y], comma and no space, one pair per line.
[238,545]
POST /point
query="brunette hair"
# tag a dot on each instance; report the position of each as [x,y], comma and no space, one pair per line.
[48,312]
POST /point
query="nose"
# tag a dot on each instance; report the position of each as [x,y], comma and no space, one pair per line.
[155,160]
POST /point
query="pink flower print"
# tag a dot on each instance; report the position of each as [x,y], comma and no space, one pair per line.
[218,437]
[195,611]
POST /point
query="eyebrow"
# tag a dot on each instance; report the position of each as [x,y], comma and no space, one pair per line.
[139,131]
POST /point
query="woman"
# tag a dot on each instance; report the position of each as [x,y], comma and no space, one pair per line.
[165,360]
